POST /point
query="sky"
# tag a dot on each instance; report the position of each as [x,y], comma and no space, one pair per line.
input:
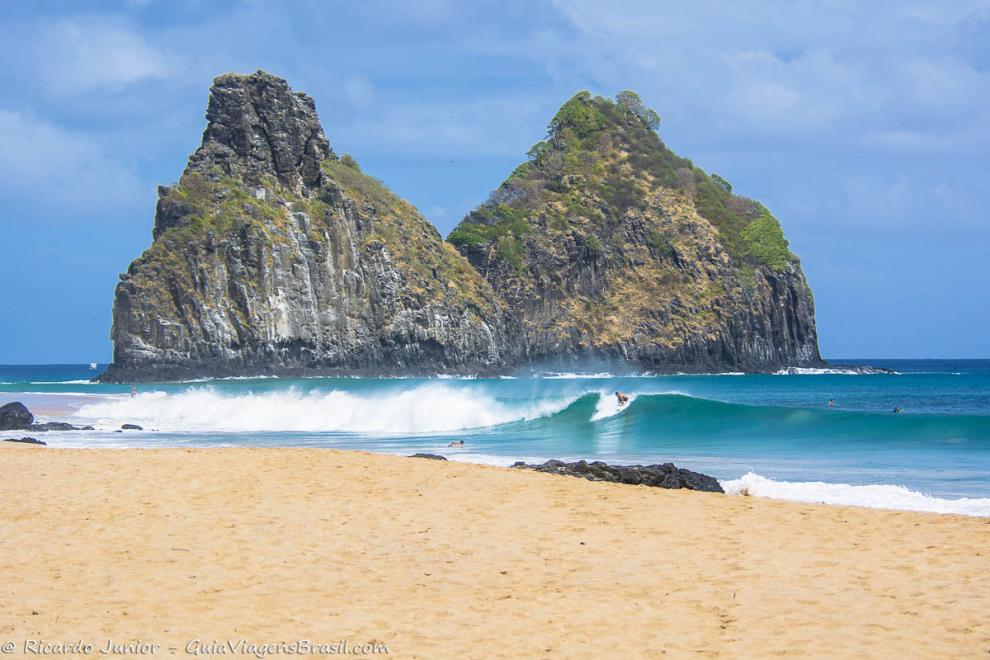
[864,127]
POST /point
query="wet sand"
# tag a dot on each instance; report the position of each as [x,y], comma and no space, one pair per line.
[440,559]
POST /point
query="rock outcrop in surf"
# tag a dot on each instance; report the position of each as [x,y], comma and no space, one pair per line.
[274,255]
[15,416]
[604,243]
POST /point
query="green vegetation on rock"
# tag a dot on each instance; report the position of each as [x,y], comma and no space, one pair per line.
[764,240]
[603,159]
[348,161]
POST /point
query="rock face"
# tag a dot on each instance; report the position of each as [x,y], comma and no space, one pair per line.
[665,475]
[15,416]
[605,244]
[271,255]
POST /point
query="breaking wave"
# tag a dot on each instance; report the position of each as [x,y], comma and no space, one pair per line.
[423,409]
[608,405]
[874,496]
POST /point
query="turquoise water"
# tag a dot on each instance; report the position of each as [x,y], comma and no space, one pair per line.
[773,435]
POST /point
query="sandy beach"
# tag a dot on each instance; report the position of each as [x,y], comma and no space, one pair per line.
[440,559]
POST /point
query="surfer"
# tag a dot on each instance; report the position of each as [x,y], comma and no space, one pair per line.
[622,397]
[133,391]
[456,443]
[898,410]
[831,403]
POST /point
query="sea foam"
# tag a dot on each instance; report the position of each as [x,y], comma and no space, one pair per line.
[608,405]
[874,496]
[430,408]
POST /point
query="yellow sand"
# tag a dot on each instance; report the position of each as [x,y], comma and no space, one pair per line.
[452,560]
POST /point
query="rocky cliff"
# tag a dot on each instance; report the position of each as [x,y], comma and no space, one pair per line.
[605,244]
[273,255]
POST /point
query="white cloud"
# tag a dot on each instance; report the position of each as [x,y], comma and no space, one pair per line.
[46,168]
[503,126]
[803,70]
[359,90]
[87,54]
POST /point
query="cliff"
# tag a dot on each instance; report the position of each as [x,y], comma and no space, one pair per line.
[605,244]
[271,255]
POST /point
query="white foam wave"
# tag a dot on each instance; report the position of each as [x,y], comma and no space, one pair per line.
[573,376]
[825,371]
[875,496]
[608,405]
[81,381]
[429,408]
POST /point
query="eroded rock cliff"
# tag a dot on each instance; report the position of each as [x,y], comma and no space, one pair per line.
[605,244]
[271,255]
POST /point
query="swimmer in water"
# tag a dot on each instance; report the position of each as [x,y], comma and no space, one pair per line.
[456,443]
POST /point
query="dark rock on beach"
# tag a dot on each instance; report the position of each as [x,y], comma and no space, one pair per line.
[15,416]
[26,440]
[432,457]
[131,427]
[665,475]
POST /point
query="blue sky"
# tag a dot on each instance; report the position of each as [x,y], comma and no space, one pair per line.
[865,127]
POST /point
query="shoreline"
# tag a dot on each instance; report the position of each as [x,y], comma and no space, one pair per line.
[356,419]
[890,497]
[451,558]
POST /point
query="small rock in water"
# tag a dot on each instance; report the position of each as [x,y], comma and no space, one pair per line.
[131,427]
[58,426]
[432,457]
[25,440]
[666,475]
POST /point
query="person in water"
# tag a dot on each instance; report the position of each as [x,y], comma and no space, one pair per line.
[898,410]
[133,391]
[456,443]
[622,397]
[831,403]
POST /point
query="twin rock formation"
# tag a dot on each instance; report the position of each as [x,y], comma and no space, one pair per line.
[272,255]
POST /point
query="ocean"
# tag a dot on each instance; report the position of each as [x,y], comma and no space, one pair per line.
[765,435]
